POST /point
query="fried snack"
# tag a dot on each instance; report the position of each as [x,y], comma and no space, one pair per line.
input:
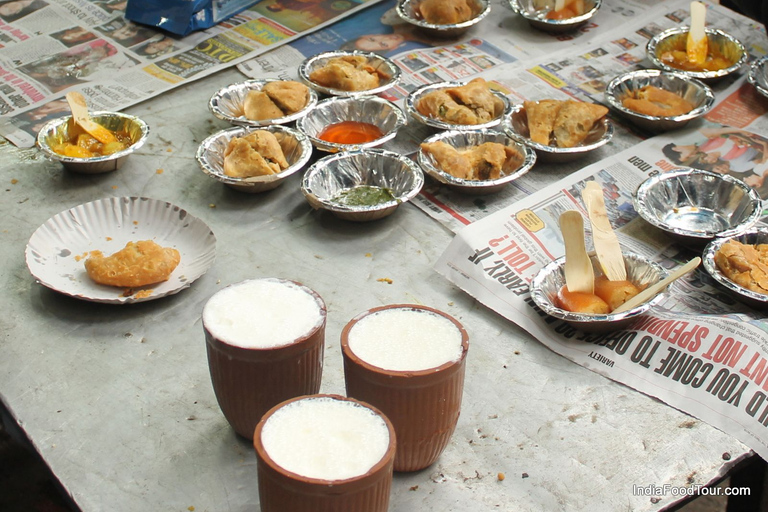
[258,106]
[449,159]
[257,154]
[289,95]
[484,162]
[348,73]
[581,302]
[574,121]
[541,119]
[137,264]
[275,99]
[615,293]
[440,105]
[445,12]
[653,101]
[473,103]
[744,264]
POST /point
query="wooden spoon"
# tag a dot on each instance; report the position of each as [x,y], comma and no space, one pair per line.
[603,237]
[579,275]
[696,46]
[655,289]
[81,117]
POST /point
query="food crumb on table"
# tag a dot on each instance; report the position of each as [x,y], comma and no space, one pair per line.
[212,205]
[500,477]
[385,280]
[159,171]
[14,181]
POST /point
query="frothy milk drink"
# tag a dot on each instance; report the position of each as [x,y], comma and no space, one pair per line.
[408,361]
[324,453]
[265,340]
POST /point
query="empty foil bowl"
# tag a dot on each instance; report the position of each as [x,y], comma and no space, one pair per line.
[537,16]
[384,66]
[412,101]
[331,176]
[758,75]
[56,132]
[408,11]
[676,39]
[227,104]
[466,139]
[752,236]
[690,89]
[695,206]
[641,271]
[516,126]
[295,145]
[386,116]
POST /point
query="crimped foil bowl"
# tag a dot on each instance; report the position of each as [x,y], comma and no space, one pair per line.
[377,61]
[227,104]
[55,132]
[537,17]
[675,38]
[295,146]
[334,173]
[694,206]
[502,108]
[465,139]
[407,10]
[758,75]
[516,126]
[367,109]
[550,279]
[749,297]
[688,88]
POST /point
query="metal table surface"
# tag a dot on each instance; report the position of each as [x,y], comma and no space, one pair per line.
[118,400]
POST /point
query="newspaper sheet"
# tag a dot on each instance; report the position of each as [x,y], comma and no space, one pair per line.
[700,351]
[49,47]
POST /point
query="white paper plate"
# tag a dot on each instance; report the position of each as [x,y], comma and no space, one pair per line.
[57,250]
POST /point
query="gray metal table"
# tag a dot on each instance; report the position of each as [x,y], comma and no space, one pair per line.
[118,400]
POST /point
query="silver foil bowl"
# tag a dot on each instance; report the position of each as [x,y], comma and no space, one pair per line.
[538,17]
[688,88]
[516,126]
[641,271]
[333,174]
[752,236]
[295,145]
[676,38]
[227,104]
[466,139]
[502,108]
[408,11]
[366,109]
[56,132]
[695,206]
[382,64]
[758,75]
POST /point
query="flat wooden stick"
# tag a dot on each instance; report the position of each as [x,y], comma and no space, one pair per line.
[579,274]
[655,289]
[604,238]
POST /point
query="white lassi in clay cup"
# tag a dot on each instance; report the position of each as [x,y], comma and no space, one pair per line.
[409,362]
[324,453]
[265,340]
